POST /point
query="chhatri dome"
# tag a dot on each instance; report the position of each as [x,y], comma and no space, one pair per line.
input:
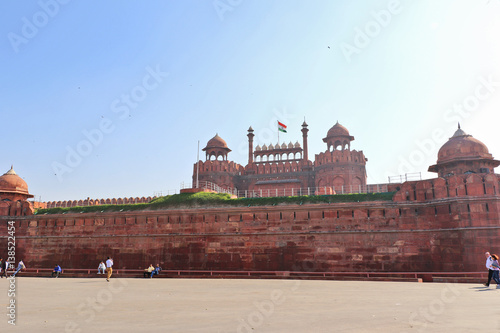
[463,154]
[11,183]
[338,136]
[216,147]
[337,130]
[216,142]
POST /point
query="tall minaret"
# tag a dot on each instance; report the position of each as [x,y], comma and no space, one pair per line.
[304,140]
[250,145]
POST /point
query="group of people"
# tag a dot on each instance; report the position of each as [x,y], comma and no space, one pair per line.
[107,267]
[492,265]
[104,267]
[151,270]
[5,265]
[493,269]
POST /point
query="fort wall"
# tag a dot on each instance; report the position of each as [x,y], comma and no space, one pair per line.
[443,233]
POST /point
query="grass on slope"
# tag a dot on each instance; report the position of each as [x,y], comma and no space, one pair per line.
[203,199]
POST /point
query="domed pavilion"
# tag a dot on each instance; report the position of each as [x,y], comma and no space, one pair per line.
[14,195]
[338,136]
[463,154]
[216,147]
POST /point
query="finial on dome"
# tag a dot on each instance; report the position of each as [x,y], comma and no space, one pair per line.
[11,171]
[459,132]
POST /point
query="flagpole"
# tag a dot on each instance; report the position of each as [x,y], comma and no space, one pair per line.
[278,133]
[197,163]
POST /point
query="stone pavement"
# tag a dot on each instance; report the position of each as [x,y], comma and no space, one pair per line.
[227,305]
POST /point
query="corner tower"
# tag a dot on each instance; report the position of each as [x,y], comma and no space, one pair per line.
[14,195]
[463,154]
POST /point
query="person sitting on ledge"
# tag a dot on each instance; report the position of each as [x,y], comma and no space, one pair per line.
[20,267]
[148,271]
[156,271]
[57,270]
[101,267]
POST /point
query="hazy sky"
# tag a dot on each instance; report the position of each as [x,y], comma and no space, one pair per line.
[109,98]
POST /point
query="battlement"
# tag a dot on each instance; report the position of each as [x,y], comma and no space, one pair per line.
[467,185]
[208,166]
[97,202]
[337,156]
[276,167]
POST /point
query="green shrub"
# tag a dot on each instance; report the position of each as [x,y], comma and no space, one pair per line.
[204,199]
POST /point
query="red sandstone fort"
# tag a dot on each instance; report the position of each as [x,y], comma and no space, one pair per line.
[434,225]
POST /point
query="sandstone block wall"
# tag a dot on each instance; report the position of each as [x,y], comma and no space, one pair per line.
[442,234]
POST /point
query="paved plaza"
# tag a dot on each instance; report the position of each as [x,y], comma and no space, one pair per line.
[237,305]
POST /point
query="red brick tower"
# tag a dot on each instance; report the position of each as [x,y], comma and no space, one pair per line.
[463,154]
[339,166]
[216,169]
[14,195]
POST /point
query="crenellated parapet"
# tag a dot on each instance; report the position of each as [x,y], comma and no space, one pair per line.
[466,185]
[97,202]
[281,167]
[339,156]
[204,167]
[218,172]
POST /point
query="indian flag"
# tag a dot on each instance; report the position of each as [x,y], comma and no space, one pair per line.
[281,127]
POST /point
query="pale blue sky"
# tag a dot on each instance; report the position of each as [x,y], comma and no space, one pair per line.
[65,69]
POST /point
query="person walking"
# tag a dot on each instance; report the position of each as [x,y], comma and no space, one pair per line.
[489,261]
[496,269]
[5,268]
[109,268]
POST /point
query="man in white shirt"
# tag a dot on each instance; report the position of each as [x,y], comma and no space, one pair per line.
[489,261]
[102,268]
[109,269]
